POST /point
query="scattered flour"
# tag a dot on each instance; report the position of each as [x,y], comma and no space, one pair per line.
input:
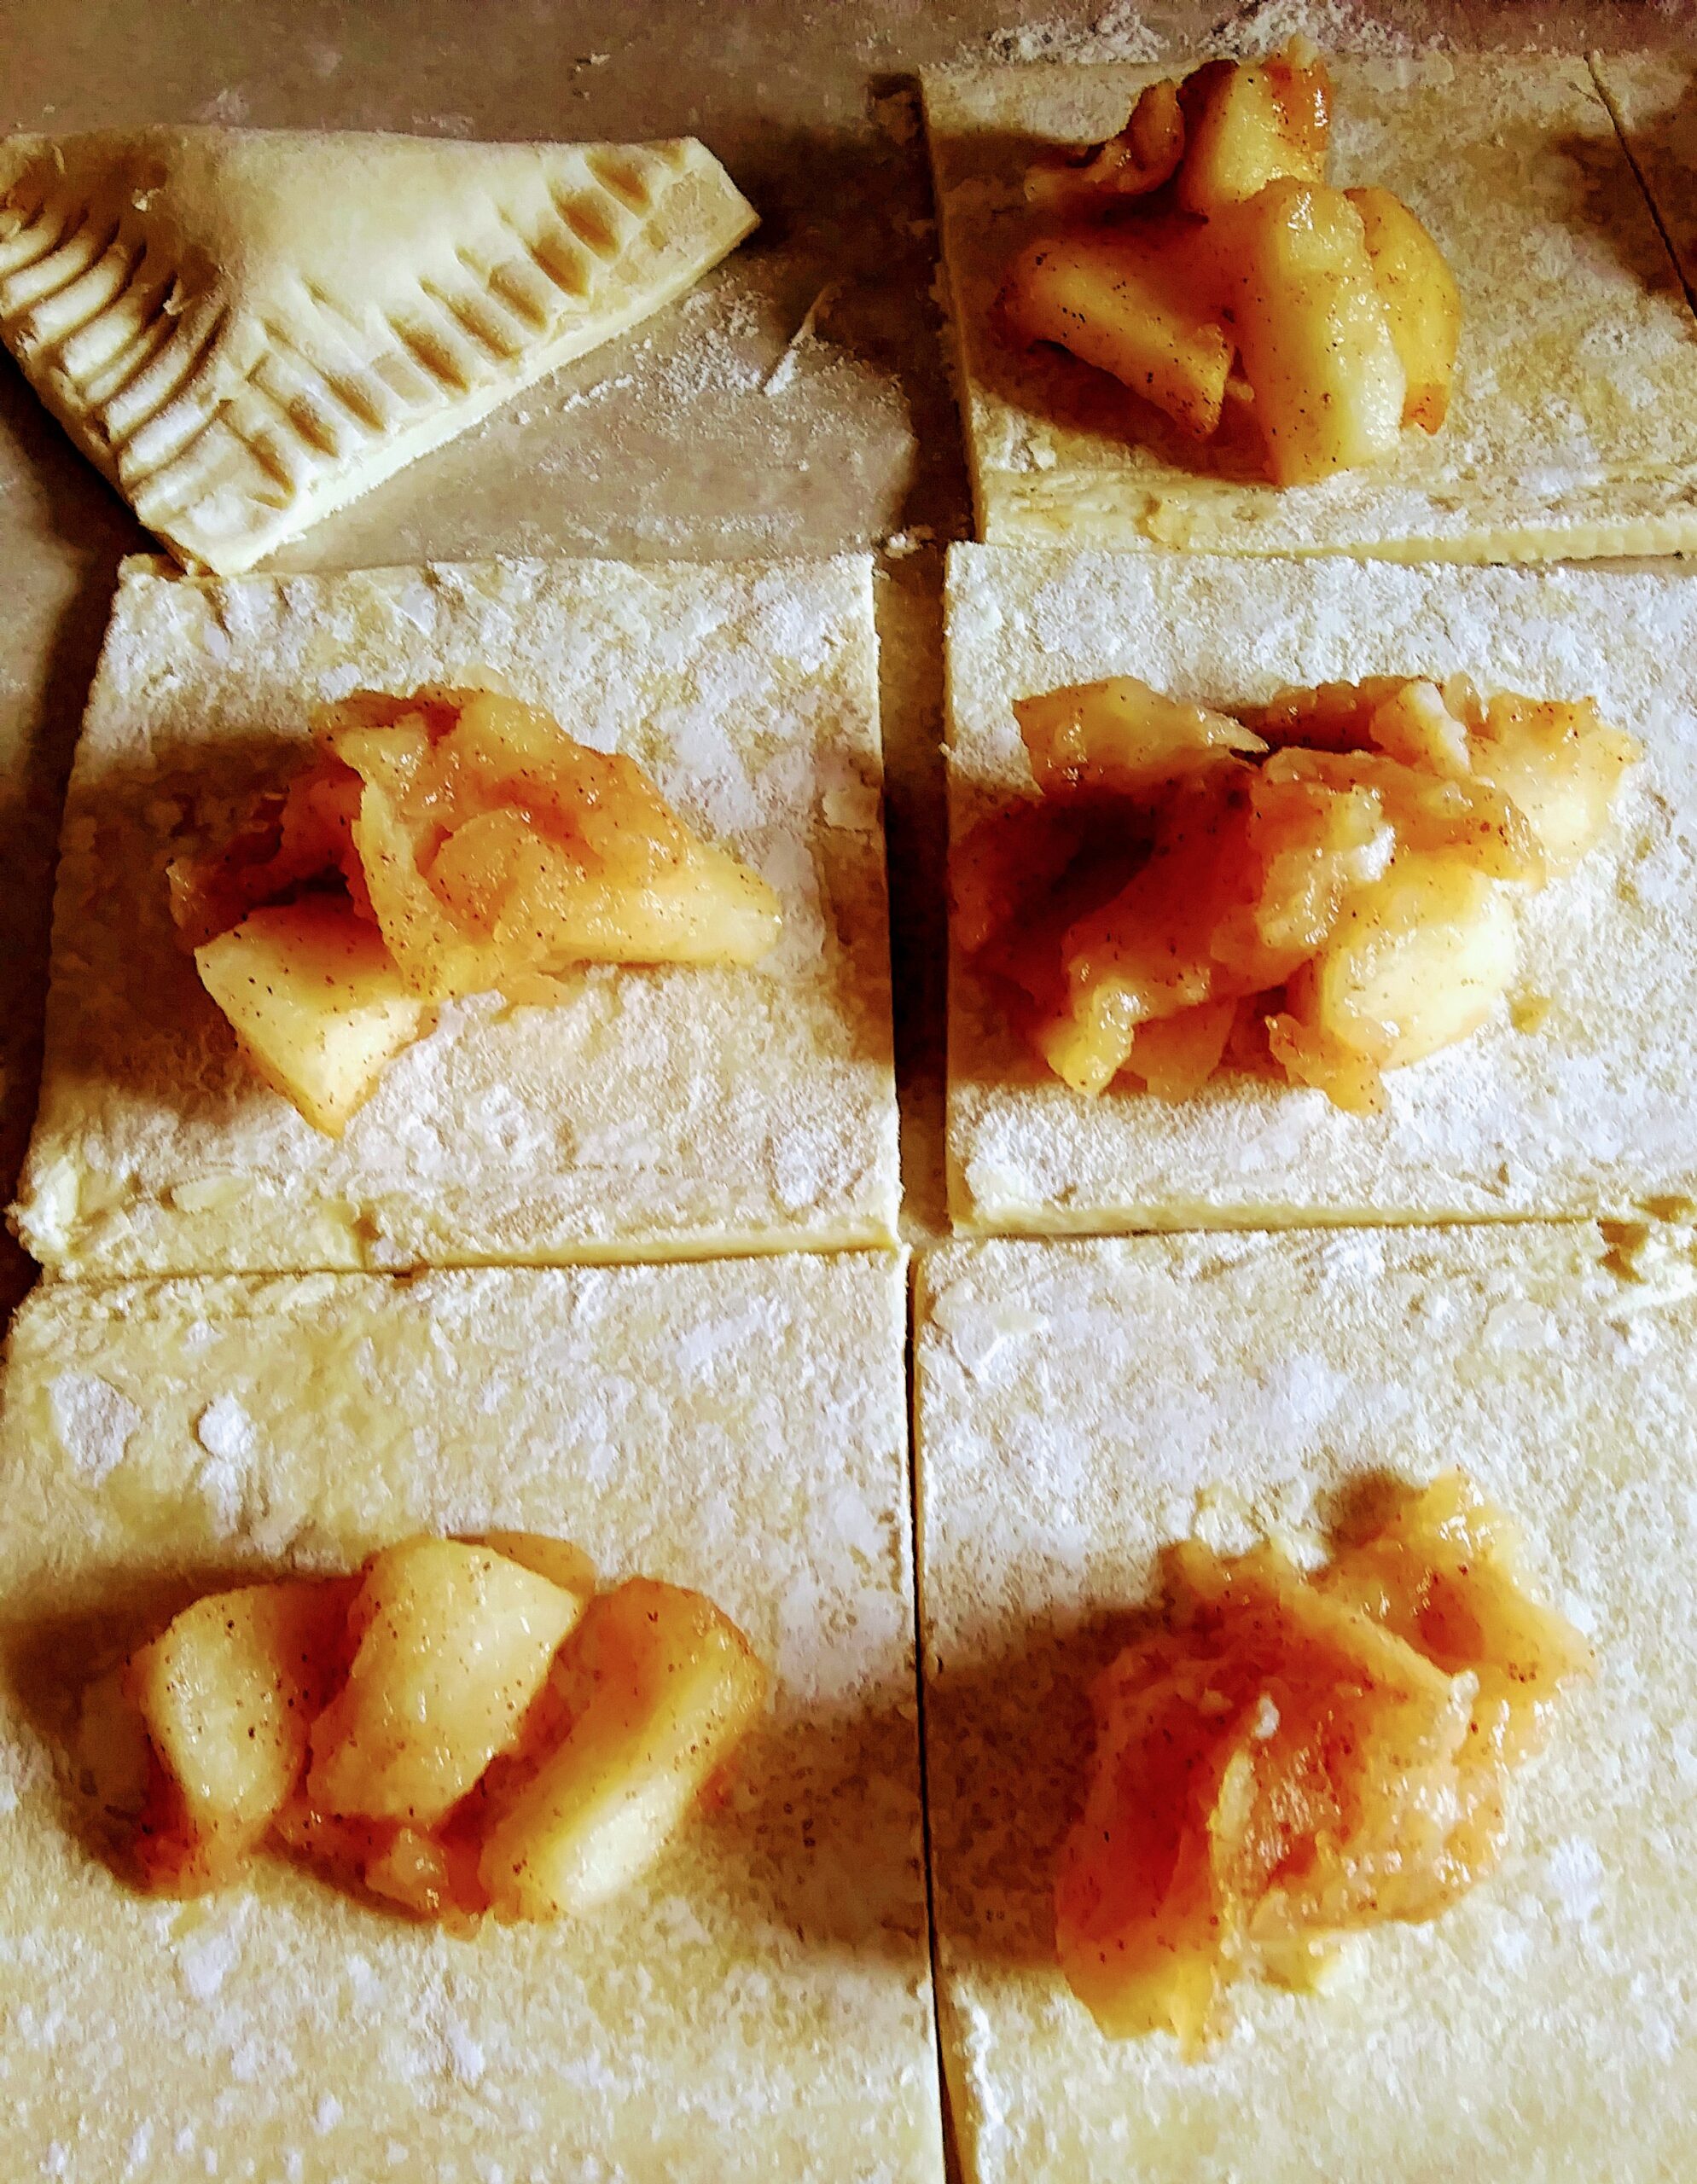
[1119,32]
[208,1957]
[95,1422]
[1334,25]
[1116,32]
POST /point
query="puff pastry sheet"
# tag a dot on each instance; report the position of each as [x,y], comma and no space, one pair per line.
[1573,428]
[1080,1405]
[654,1114]
[246,329]
[758,2005]
[1593,1112]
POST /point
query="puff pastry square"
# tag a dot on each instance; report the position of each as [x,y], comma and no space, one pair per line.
[1081,1405]
[1592,1111]
[246,329]
[758,2005]
[656,1113]
[1574,427]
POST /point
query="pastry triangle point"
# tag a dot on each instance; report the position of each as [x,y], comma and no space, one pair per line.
[246,329]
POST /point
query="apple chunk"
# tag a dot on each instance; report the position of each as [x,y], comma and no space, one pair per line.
[1415,963]
[227,1694]
[1120,735]
[1247,123]
[317,1003]
[556,1559]
[659,1686]
[1136,301]
[1560,762]
[500,853]
[1313,332]
[1139,160]
[1421,302]
[453,1644]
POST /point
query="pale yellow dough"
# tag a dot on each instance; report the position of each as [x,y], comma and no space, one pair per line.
[247,329]
[1079,1405]
[654,1113]
[758,2007]
[1574,427]
[1592,1111]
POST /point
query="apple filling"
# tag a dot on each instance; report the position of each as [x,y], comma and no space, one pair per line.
[1319,889]
[1202,259]
[1286,1759]
[449,843]
[462,1728]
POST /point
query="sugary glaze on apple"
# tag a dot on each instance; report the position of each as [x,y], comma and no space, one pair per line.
[1319,888]
[1285,1759]
[463,1728]
[452,842]
[1201,258]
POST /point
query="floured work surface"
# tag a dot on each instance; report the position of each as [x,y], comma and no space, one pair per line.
[1592,1110]
[1572,427]
[758,2005]
[1080,1406]
[655,1113]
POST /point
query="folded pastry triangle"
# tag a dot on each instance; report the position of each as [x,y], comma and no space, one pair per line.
[246,329]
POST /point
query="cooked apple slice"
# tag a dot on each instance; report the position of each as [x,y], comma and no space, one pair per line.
[1309,1054]
[1208,1792]
[1122,736]
[1175,1055]
[432,954]
[1306,844]
[317,1003]
[499,853]
[1562,765]
[453,1643]
[660,1686]
[1444,1574]
[556,1559]
[1141,302]
[1470,819]
[1414,962]
[1141,157]
[550,907]
[1089,1041]
[1415,726]
[1325,716]
[1248,122]
[1313,332]
[1421,302]
[227,1694]
[291,837]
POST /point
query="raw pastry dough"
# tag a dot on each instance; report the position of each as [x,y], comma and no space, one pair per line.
[758,2007]
[1653,99]
[246,329]
[656,1114]
[1592,1111]
[1081,1404]
[1573,425]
